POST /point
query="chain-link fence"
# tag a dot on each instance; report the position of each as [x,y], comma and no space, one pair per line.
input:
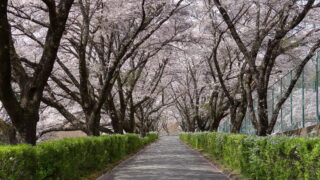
[300,110]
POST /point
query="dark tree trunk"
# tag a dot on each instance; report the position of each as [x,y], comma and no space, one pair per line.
[93,124]
[117,126]
[233,115]
[236,126]
[262,111]
[216,122]
[263,121]
[143,132]
[200,122]
[27,126]
[28,131]
[192,126]
[131,124]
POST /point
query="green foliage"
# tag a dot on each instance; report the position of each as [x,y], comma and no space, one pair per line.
[151,137]
[17,162]
[273,157]
[70,158]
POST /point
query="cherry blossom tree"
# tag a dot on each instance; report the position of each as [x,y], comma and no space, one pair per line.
[23,106]
[267,31]
[106,43]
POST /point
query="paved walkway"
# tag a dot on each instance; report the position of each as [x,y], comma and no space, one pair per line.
[167,159]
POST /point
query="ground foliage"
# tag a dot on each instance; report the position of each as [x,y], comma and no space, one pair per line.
[272,157]
[70,158]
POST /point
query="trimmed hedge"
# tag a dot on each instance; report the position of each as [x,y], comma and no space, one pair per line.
[272,157]
[70,158]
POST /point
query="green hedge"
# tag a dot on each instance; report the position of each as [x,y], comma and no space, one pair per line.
[69,158]
[272,157]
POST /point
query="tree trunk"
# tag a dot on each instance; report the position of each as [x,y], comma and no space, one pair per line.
[216,122]
[131,124]
[27,129]
[93,124]
[28,133]
[233,115]
[236,126]
[117,126]
[200,123]
[263,115]
[143,133]
[192,126]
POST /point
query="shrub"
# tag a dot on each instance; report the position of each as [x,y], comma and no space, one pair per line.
[69,158]
[273,157]
[17,162]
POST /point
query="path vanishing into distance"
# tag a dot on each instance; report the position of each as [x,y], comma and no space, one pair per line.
[167,159]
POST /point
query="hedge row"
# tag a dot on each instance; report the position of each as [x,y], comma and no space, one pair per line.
[70,158]
[272,157]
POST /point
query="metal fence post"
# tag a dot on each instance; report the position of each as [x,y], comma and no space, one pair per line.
[281,121]
[245,124]
[272,108]
[227,125]
[303,120]
[317,86]
[291,112]
[272,99]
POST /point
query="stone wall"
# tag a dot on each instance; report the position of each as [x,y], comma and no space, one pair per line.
[60,135]
[310,131]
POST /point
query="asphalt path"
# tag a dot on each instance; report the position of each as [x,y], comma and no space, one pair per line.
[167,159]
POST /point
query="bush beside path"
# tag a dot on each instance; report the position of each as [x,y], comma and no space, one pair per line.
[263,158]
[67,159]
